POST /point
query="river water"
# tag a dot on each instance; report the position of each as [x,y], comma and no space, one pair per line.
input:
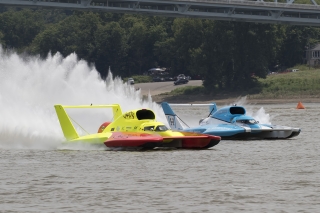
[37,175]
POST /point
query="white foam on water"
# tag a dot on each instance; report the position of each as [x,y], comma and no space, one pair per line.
[31,86]
[260,115]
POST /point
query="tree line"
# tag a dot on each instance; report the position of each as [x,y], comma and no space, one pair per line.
[226,54]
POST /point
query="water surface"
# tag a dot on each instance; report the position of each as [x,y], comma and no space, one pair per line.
[234,176]
[37,175]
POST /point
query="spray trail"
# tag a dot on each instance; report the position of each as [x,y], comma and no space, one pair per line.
[31,86]
[260,115]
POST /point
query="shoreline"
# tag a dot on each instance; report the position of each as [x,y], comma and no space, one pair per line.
[203,99]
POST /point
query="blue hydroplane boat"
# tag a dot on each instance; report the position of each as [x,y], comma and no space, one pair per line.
[230,122]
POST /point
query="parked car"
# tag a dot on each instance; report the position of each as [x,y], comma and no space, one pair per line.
[158,79]
[181,81]
[179,76]
[168,78]
[130,81]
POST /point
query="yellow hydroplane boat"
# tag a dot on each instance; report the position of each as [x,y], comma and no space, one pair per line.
[133,129]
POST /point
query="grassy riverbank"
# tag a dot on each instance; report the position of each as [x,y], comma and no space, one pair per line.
[304,83]
[279,87]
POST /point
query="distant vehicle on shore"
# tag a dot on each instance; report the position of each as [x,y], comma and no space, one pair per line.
[130,81]
[181,81]
[158,79]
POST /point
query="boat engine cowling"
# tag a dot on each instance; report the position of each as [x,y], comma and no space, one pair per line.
[103,126]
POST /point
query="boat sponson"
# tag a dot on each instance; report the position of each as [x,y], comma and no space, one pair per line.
[256,136]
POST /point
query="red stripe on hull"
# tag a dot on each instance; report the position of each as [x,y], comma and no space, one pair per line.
[121,139]
[190,141]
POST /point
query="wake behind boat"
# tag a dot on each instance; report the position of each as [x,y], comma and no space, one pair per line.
[230,122]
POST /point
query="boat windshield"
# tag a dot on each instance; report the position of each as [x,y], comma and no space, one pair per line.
[148,128]
[161,128]
[251,121]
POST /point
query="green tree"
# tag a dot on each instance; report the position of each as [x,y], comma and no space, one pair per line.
[20,27]
[296,40]
[225,54]
[211,59]
[142,42]
[253,50]
[187,35]
[111,49]
[74,34]
[1,39]
[165,52]
[231,53]
[88,24]
[136,44]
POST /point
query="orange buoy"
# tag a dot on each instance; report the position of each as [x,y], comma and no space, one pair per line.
[300,105]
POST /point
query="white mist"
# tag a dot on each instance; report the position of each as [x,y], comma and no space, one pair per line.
[31,86]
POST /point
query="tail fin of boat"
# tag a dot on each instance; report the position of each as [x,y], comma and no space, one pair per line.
[172,118]
[66,125]
[212,108]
